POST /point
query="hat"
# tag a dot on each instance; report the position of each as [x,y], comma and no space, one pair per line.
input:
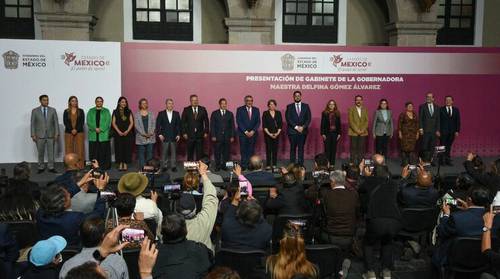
[133,183]
[44,251]
[186,206]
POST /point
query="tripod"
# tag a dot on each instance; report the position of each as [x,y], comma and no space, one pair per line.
[113,215]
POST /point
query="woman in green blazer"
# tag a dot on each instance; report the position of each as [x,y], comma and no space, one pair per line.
[99,125]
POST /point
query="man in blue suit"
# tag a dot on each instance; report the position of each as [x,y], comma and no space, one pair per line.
[248,119]
[467,222]
[298,118]
[222,133]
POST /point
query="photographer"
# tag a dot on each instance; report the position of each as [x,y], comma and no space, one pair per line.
[289,199]
[474,166]
[199,225]
[370,178]
[244,227]
[135,183]
[72,168]
[155,176]
[420,193]
[468,221]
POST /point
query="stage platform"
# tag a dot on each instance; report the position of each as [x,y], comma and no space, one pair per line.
[393,163]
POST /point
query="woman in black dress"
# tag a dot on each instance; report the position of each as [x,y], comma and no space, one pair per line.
[272,124]
[330,130]
[123,125]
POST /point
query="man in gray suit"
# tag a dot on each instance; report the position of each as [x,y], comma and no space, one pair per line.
[429,121]
[44,132]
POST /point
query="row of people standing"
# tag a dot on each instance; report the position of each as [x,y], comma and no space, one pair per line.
[194,126]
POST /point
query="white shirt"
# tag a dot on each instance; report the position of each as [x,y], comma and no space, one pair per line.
[449,110]
[195,109]
[150,210]
[431,108]
[169,115]
[222,112]
[359,111]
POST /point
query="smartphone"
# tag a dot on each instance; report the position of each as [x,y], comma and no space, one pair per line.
[96,174]
[171,188]
[450,200]
[132,235]
[412,167]
[368,162]
[440,149]
[191,165]
[243,189]
[496,209]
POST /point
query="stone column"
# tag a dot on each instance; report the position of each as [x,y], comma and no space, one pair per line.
[66,19]
[253,25]
[410,24]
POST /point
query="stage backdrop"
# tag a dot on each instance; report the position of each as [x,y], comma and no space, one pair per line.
[59,69]
[471,75]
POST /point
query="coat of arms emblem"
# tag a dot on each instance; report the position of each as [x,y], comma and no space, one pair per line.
[287,62]
[10,60]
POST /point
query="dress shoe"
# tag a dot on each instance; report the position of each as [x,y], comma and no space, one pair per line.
[52,171]
[40,171]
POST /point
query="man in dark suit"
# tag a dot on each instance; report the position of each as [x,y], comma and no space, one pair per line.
[222,133]
[256,175]
[248,119]
[449,127]
[467,222]
[418,194]
[298,118]
[290,199]
[194,128]
[429,126]
[168,127]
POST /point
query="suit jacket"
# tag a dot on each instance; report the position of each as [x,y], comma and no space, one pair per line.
[411,196]
[44,128]
[169,130]
[325,124]
[358,123]
[195,128]
[260,178]
[293,119]
[104,125]
[380,125]
[139,128]
[272,124]
[221,127]
[449,125]
[245,123]
[290,200]
[80,121]
[429,123]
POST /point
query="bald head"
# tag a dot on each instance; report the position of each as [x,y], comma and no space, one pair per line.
[378,159]
[424,179]
[255,163]
[71,161]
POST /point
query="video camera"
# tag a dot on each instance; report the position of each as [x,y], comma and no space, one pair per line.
[191,165]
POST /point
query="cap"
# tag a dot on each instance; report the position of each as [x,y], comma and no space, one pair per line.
[44,251]
[186,206]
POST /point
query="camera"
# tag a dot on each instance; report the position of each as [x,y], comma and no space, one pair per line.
[368,162]
[440,149]
[96,173]
[320,173]
[231,164]
[132,235]
[191,165]
[171,188]
[243,189]
[496,203]
[449,200]
[149,170]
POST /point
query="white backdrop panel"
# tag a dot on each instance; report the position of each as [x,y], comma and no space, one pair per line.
[59,69]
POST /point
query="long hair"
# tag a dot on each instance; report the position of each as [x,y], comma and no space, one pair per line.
[291,259]
[335,110]
[126,110]
[69,102]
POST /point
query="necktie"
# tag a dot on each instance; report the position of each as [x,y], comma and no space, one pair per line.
[431,109]
[449,111]
[249,113]
[45,113]
[223,112]
[298,109]
[195,113]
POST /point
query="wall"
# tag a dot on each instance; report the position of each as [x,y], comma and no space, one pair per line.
[365,23]
[110,20]
[213,29]
[491,27]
